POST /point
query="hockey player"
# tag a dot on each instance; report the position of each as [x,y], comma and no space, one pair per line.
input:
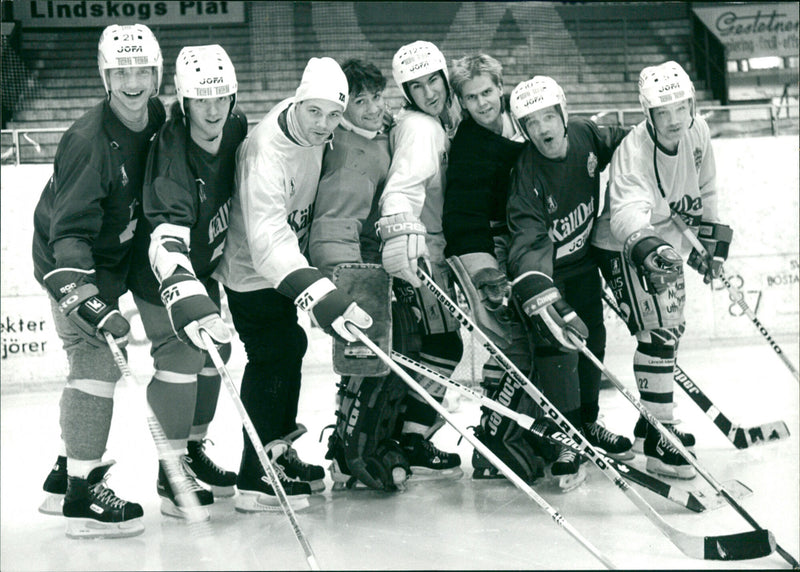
[361,449]
[663,169]
[266,274]
[484,150]
[187,191]
[83,231]
[410,228]
[552,207]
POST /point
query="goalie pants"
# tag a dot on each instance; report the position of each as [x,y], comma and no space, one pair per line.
[658,324]
[275,344]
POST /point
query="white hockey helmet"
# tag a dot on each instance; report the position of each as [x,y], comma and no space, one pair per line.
[203,72]
[664,84]
[415,60]
[132,46]
[537,93]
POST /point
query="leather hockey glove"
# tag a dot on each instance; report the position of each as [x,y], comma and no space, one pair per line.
[716,239]
[657,264]
[79,300]
[550,315]
[190,309]
[403,237]
[330,308]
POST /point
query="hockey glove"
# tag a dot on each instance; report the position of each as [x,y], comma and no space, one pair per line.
[79,300]
[716,239]
[191,309]
[330,308]
[403,237]
[551,316]
[657,264]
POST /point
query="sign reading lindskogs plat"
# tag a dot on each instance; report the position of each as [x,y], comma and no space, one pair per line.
[754,29]
[96,13]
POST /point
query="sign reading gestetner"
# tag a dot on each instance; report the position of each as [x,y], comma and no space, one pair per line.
[93,13]
[754,29]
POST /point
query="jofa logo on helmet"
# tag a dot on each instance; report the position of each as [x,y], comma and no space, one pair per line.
[668,87]
[129,49]
[207,80]
[591,164]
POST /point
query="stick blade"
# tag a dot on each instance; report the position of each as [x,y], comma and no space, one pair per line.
[709,499]
[760,435]
[741,546]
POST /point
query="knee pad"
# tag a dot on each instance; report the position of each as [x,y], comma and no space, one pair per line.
[178,357]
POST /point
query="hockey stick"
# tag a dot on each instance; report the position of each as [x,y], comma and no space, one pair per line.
[184,497]
[741,437]
[481,448]
[741,546]
[696,501]
[676,443]
[266,464]
[736,295]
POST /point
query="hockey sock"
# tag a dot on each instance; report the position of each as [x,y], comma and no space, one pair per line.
[208,386]
[172,397]
[81,469]
[653,364]
[86,409]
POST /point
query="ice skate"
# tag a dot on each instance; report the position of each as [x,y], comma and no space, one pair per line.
[640,432]
[221,482]
[259,496]
[568,470]
[93,510]
[483,469]
[616,446]
[179,504]
[664,459]
[55,487]
[285,455]
[427,462]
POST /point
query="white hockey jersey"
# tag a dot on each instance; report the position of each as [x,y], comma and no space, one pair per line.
[276,183]
[634,201]
[415,184]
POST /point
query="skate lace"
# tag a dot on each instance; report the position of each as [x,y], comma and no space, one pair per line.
[602,434]
[677,432]
[566,456]
[290,456]
[667,446]
[201,453]
[186,482]
[431,449]
[105,495]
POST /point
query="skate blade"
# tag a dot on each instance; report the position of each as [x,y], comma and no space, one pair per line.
[655,466]
[252,501]
[89,528]
[222,492]
[420,474]
[187,513]
[52,504]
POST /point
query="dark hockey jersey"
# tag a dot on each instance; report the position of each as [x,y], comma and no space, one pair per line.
[90,207]
[478,178]
[186,186]
[553,203]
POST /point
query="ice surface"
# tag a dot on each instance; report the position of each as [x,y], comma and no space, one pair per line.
[460,524]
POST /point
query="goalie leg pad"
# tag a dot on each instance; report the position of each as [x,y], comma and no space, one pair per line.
[371,288]
[367,414]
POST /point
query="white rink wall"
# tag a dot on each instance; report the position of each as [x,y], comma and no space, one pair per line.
[759,197]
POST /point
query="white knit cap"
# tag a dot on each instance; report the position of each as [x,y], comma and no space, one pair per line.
[323,79]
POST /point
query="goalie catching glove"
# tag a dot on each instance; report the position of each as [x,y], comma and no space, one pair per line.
[716,240]
[551,316]
[329,308]
[657,264]
[403,237]
[187,302]
[79,300]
